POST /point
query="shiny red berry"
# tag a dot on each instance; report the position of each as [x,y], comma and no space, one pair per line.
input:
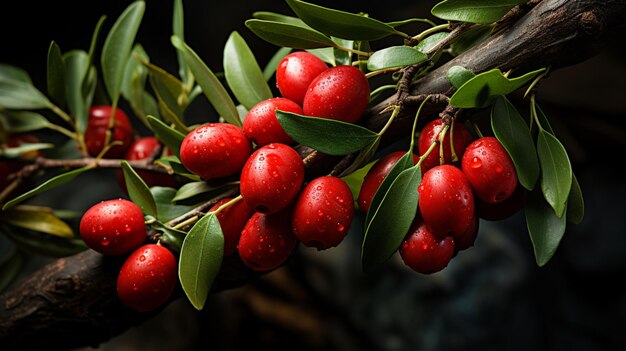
[147,278]
[341,93]
[271,178]
[295,72]
[489,170]
[446,202]
[425,252]
[215,150]
[503,209]
[98,124]
[261,126]
[430,133]
[232,220]
[142,149]
[267,241]
[323,213]
[466,239]
[113,227]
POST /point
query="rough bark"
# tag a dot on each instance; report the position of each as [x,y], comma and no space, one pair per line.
[72,301]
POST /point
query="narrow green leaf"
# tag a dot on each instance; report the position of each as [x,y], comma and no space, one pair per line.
[43,222]
[272,64]
[195,192]
[164,199]
[117,47]
[172,112]
[178,29]
[46,245]
[243,74]
[395,56]
[172,237]
[201,259]
[458,75]
[15,121]
[289,35]
[474,11]
[134,86]
[484,88]
[543,120]
[138,191]
[575,203]
[512,131]
[355,180]
[9,72]
[392,220]
[325,135]
[21,96]
[340,24]
[342,57]
[545,228]
[173,163]
[76,62]
[556,171]
[277,17]
[10,269]
[166,134]
[211,86]
[55,74]
[18,151]
[94,42]
[325,54]
[363,157]
[431,41]
[47,185]
[469,39]
[168,81]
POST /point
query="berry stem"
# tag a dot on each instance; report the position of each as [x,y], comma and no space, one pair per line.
[430,31]
[477,129]
[453,154]
[229,203]
[353,51]
[186,222]
[417,115]
[394,114]
[432,146]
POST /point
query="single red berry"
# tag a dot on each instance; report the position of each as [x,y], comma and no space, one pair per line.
[466,239]
[323,213]
[430,133]
[142,149]
[446,202]
[295,72]
[503,209]
[113,227]
[375,177]
[261,126]
[215,150]
[98,124]
[341,93]
[232,220]
[271,178]
[425,252]
[267,240]
[147,278]
[489,170]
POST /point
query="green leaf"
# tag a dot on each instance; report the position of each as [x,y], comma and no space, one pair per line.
[178,29]
[289,35]
[75,67]
[15,152]
[325,135]
[484,88]
[164,199]
[392,220]
[46,245]
[138,191]
[543,120]
[575,203]
[272,64]
[166,80]
[325,54]
[173,163]
[134,83]
[43,222]
[172,237]
[474,11]
[395,56]
[277,17]
[458,75]
[340,24]
[355,180]
[10,269]
[363,157]
[117,47]
[8,72]
[94,42]
[22,121]
[166,134]
[201,259]
[49,184]
[545,228]
[431,41]
[172,112]
[342,57]
[196,192]
[211,86]
[470,39]
[21,96]
[512,131]
[56,74]
[243,74]
[556,171]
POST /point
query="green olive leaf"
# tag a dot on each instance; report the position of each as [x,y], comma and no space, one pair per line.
[545,228]
[172,111]
[431,41]
[343,57]
[272,64]
[355,180]
[395,56]
[20,95]
[18,151]
[164,199]
[277,17]
[43,222]
[16,121]
[474,11]
[325,54]
[46,245]
[288,35]
[166,134]
[9,72]
[138,191]
[76,63]
[556,171]
[194,192]
[458,75]
[55,74]
[575,203]
[178,29]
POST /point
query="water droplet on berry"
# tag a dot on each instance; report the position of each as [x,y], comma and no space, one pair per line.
[340,227]
[142,258]
[105,241]
[420,188]
[261,158]
[499,169]
[476,163]
[424,246]
[127,228]
[318,188]
[320,213]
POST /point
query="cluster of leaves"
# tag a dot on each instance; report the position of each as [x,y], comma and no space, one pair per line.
[159,98]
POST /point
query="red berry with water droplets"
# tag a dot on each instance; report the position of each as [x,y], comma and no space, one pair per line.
[323,213]
[267,241]
[503,209]
[98,124]
[232,220]
[295,72]
[147,278]
[142,149]
[446,202]
[425,252]
[489,170]
[261,125]
[466,239]
[430,133]
[375,177]
[271,178]
[113,227]
[215,150]
[341,93]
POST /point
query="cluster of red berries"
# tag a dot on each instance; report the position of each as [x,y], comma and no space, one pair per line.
[452,195]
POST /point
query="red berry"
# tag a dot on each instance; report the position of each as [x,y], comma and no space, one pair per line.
[261,126]
[142,149]
[147,278]
[503,209]
[215,150]
[424,251]
[232,220]
[375,177]
[295,72]
[446,201]
[271,178]
[489,170]
[98,124]
[113,227]
[340,93]
[323,213]
[466,239]
[267,240]
[430,133]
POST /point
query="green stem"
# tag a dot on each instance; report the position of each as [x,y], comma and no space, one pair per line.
[64,116]
[432,146]
[186,222]
[417,114]
[430,31]
[394,114]
[353,51]
[536,81]
[62,130]
[533,112]
[382,71]
[477,130]
[454,156]
[229,203]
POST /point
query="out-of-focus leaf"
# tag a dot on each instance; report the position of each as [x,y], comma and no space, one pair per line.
[42,222]
[138,191]
[289,35]
[166,134]
[164,199]
[545,228]
[272,64]
[22,121]
[55,74]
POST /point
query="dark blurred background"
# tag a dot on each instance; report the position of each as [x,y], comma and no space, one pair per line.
[490,297]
